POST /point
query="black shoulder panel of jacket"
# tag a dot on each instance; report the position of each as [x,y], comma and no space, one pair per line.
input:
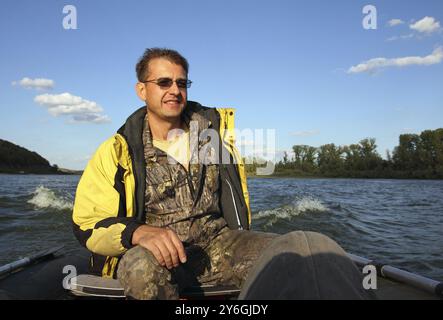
[132,131]
[212,115]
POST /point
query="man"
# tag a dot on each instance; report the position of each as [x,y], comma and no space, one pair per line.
[163,204]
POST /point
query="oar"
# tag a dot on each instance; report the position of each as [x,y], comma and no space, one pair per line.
[14,266]
[402,276]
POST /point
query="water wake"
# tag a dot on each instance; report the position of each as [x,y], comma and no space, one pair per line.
[44,198]
[305,205]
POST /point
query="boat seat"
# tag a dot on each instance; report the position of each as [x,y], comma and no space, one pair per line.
[86,285]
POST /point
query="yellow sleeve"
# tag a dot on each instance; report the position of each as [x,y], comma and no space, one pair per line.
[100,220]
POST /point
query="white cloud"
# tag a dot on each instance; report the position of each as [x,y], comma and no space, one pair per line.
[66,103]
[426,25]
[403,37]
[91,118]
[305,133]
[39,83]
[377,63]
[395,22]
[80,110]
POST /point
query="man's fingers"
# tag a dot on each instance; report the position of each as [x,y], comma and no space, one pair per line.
[165,253]
[164,244]
[178,246]
[157,254]
[172,251]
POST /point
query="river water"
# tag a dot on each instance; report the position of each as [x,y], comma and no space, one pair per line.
[396,221]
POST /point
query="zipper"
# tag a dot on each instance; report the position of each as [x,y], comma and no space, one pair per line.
[235,205]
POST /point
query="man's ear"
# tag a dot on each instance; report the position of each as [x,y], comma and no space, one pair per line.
[140,89]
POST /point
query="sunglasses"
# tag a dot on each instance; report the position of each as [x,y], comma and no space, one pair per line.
[166,83]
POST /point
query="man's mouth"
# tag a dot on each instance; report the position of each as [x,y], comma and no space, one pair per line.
[172,103]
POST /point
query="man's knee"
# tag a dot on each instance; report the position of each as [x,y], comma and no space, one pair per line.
[143,277]
[304,265]
[308,243]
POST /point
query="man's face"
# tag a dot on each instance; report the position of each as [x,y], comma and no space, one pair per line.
[163,103]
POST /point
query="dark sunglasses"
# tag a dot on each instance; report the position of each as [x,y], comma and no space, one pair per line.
[166,83]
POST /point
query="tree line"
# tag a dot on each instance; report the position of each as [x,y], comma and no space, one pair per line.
[16,159]
[417,156]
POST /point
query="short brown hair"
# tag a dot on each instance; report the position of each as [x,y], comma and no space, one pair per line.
[154,53]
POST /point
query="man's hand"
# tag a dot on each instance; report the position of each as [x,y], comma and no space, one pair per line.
[163,243]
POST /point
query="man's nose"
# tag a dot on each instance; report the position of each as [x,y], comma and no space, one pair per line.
[174,89]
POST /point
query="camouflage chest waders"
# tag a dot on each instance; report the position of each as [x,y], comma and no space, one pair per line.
[188,203]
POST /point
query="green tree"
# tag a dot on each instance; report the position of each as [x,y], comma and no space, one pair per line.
[285,158]
[353,159]
[329,159]
[298,150]
[369,156]
[308,158]
[406,155]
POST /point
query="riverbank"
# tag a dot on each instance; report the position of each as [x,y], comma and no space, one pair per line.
[393,175]
[284,176]
[59,171]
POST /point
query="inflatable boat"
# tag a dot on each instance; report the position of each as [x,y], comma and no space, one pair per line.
[59,274]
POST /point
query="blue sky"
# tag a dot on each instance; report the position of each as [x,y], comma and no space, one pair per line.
[283,65]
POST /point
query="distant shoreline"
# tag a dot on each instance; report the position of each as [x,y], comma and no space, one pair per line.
[15,159]
[58,173]
[273,176]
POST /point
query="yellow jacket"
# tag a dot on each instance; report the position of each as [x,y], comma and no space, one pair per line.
[109,202]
